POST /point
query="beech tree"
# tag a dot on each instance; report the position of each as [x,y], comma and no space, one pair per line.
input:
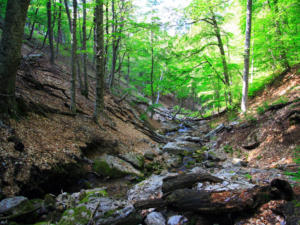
[100,54]
[10,53]
[50,31]
[74,58]
[247,56]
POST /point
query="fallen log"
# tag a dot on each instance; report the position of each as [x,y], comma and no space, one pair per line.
[223,202]
[186,181]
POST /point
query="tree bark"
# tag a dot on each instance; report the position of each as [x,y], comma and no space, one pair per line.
[84,39]
[222,52]
[99,103]
[10,53]
[33,24]
[114,47]
[74,58]
[50,31]
[68,14]
[58,40]
[246,57]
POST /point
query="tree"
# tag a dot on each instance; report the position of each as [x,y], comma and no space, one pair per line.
[10,53]
[74,58]
[247,56]
[100,53]
[84,39]
[50,31]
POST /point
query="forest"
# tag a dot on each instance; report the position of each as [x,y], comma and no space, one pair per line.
[149,112]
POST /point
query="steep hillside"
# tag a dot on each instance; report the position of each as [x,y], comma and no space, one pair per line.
[270,132]
[47,140]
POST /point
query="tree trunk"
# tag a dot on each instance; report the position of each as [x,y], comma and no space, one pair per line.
[107,39]
[114,48]
[68,14]
[10,53]
[74,58]
[85,75]
[222,52]
[58,40]
[50,31]
[152,75]
[246,57]
[99,103]
[33,24]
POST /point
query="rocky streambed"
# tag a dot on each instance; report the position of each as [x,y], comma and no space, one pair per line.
[184,181]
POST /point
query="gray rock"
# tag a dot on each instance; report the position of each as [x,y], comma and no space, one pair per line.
[112,166]
[177,220]
[181,147]
[150,155]
[8,204]
[218,129]
[147,189]
[137,160]
[173,160]
[155,218]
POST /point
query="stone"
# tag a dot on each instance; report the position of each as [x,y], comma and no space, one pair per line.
[181,147]
[114,167]
[150,155]
[173,160]
[177,220]
[253,140]
[137,160]
[8,204]
[218,129]
[155,218]
[149,188]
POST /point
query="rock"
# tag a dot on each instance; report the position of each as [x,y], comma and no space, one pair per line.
[182,147]
[92,205]
[253,140]
[137,160]
[155,218]
[9,204]
[150,188]
[173,160]
[209,164]
[218,129]
[114,167]
[20,209]
[167,128]
[150,155]
[190,139]
[239,162]
[177,220]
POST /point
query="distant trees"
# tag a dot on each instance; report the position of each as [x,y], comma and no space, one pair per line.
[10,53]
[74,57]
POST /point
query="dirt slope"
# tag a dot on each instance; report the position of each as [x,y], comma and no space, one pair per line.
[47,135]
[272,128]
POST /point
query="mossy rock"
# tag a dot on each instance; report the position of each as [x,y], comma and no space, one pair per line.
[92,194]
[114,167]
[76,216]
[26,211]
[103,168]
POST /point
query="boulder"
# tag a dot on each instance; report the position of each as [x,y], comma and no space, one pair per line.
[218,129]
[137,160]
[253,140]
[9,204]
[155,218]
[114,167]
[150,155]
[181,147]
[177,220]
